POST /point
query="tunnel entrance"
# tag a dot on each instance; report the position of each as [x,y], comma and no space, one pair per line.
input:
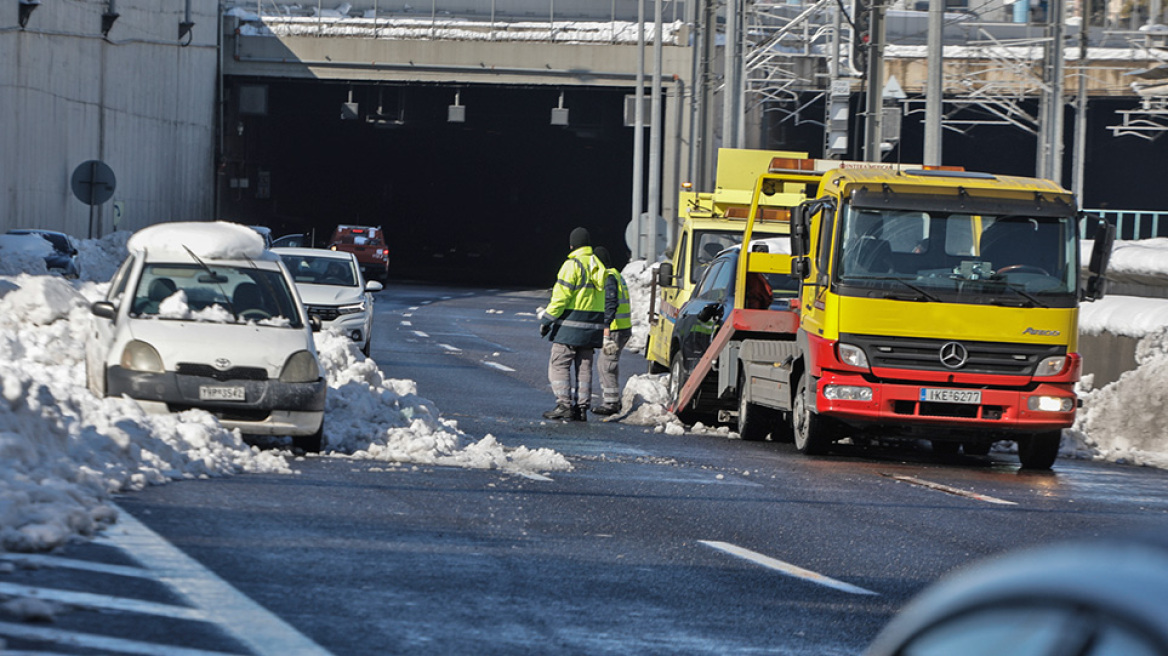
[489,200]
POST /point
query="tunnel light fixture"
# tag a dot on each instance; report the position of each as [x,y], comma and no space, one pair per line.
[456,113]
[26,8]
[560,113]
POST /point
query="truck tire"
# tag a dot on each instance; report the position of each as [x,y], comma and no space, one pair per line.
[811,436]
[754,421]
[976,448]
[1039,451]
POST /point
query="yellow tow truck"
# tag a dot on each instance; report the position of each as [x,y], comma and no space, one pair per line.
[933,304]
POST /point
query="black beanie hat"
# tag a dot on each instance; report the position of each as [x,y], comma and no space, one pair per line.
[579,237]
[601,254]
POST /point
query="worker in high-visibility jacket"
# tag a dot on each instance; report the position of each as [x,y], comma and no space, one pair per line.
[618,328]
[574,322]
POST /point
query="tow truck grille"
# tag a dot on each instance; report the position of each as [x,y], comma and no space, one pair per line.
[998,358]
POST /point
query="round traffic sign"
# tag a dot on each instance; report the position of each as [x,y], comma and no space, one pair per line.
[93,182]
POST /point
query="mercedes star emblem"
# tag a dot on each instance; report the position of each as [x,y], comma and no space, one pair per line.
[953,355]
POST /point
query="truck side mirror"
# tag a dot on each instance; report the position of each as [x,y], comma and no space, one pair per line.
[1101,252]
[800,267]
[665,274]
[800,231]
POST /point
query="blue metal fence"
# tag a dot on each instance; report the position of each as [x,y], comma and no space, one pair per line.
[1133,224]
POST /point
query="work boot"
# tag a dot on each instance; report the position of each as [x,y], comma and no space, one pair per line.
[607,409]
[561,411]
[580,413]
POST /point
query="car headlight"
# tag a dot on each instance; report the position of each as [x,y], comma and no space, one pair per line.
[352,309]
[853,355]
[301,367]
[140,356]
[1050,366]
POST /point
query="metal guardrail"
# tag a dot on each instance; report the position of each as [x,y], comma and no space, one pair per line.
[1134,224]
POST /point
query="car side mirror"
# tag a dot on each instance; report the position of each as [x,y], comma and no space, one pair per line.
[665,274]
[104,309]
[710,312]
[315,324]
[373,286]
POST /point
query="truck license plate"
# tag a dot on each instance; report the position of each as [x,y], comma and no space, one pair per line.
[937,395]
[218,393]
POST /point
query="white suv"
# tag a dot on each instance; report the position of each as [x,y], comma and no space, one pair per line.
[333,290]
[201,315]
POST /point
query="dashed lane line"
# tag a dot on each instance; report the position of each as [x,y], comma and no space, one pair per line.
[101,602]
[496,365]
[948,489]
[103,644]
[786,568]
[228,608]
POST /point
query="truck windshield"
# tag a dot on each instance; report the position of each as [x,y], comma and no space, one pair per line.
[708,243]
[944,256]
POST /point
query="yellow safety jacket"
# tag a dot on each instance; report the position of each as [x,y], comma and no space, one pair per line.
[576,309]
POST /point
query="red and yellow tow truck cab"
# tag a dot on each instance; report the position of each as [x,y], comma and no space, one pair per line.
[934,304]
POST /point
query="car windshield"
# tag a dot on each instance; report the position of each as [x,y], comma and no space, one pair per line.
[937,255]
[220,294]
[707,245]
[314,270]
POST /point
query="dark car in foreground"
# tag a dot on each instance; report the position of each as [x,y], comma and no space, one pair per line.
[64,259]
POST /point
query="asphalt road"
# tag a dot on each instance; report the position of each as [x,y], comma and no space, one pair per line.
[693,544]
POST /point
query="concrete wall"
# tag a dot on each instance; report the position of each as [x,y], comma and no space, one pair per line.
[139,100]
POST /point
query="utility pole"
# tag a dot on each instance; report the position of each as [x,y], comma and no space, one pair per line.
[654,250]
[639,137]
[732,79]
[874,113]
[1050,134]
[934,86]
[1079,164]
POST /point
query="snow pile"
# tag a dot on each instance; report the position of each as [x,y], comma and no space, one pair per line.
[1144,256]
[100,257]
[638,277]
[370,416]
[1130,316]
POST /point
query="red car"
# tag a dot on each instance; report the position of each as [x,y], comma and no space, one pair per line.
[368,244]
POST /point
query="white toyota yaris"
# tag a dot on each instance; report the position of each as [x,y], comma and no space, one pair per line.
[201,315]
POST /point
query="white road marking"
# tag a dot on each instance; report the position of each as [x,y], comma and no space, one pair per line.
[420,333]
[264,633]
[786,568]
[450,348]
[103,644]
[535,477]
[496,365]
[407,323]
[101,602]
[41,560]
[940,487]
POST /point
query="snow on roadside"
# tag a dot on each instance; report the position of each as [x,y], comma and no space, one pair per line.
[66,451]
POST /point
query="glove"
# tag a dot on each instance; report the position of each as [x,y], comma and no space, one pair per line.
[544,328]
[610,347]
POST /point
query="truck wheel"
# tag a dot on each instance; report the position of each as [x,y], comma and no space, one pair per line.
[976,448]
[945,447]
[1039,451]
[754,421]
[657,368]
[810,433]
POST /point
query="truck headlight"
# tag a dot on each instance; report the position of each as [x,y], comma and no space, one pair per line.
[1050,366]
[847,393]
[301,367]
[1050,403]
[853,355]
[140,356]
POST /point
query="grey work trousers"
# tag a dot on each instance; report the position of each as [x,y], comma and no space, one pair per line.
[571,391]
[609,368]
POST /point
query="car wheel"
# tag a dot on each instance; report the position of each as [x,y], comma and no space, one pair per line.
[310,443]
[1039,451]
[676,382]
[811,436]
[754,421]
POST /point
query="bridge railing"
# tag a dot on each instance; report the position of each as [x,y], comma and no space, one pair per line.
[1133,224]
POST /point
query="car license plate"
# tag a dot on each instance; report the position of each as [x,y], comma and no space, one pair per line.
[937,395]
[217,393]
